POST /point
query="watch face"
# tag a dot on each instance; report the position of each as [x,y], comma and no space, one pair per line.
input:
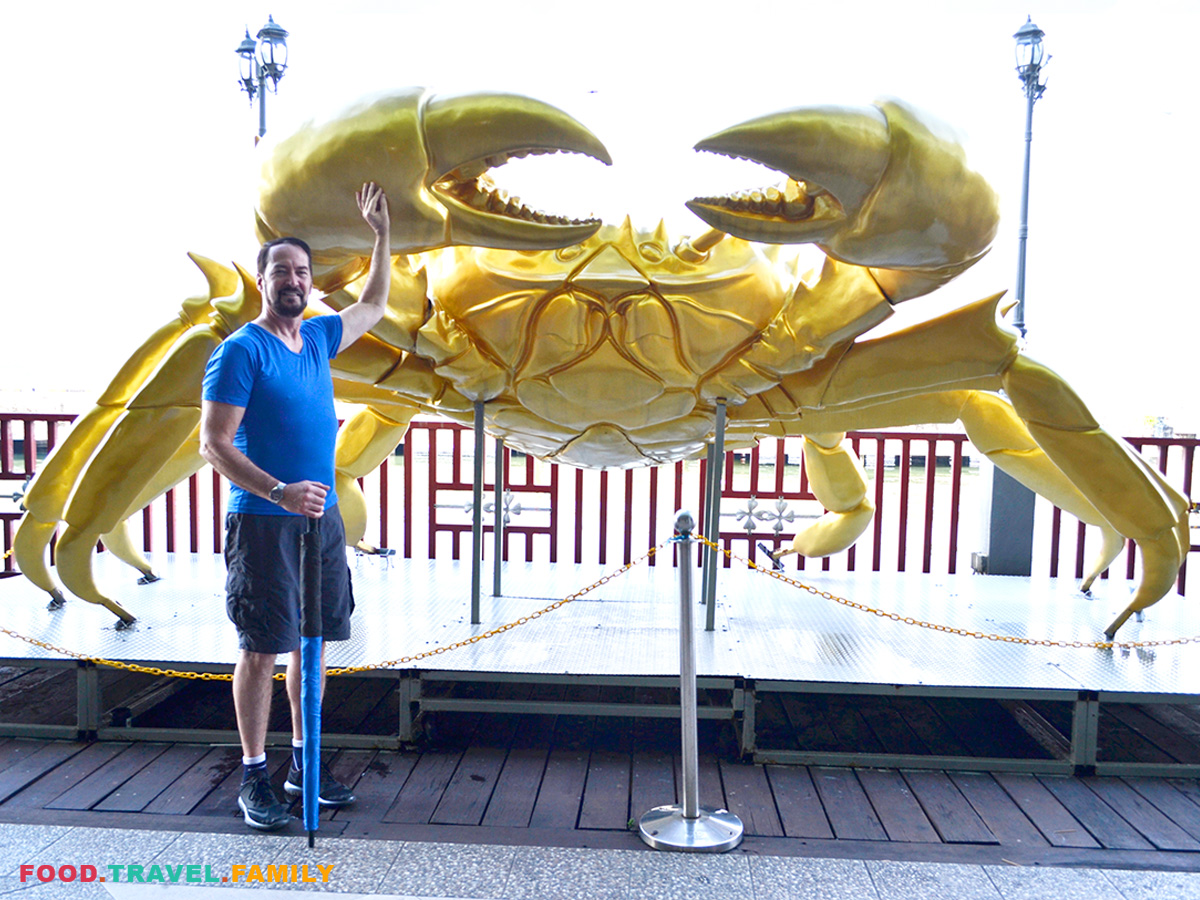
[276,495]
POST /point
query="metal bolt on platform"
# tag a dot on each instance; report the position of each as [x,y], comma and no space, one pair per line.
[689,826]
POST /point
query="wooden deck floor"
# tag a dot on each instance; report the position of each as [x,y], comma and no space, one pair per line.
[574,780]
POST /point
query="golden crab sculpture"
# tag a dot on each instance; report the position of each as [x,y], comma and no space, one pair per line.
[612,346]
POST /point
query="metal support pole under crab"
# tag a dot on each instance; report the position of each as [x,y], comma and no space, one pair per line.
[689,826]
[477,515]
[498,522]
[712,521]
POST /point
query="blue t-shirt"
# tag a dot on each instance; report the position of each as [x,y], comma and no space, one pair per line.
[290,426]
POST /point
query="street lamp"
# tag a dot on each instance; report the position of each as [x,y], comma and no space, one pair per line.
[262,60]
[1029,70]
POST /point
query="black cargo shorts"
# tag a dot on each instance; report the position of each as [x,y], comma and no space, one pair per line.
[262,556]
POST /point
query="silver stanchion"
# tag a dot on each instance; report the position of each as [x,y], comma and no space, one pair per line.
[689,826]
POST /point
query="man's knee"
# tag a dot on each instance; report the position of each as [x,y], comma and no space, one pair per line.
[257,663]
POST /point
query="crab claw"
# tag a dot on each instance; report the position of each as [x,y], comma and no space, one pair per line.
[881,187]
[431,154]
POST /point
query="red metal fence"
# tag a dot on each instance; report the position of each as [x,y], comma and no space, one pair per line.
[928,517]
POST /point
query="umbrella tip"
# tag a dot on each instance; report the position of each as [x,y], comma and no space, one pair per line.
[312,839]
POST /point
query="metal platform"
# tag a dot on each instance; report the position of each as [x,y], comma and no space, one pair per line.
[768,637]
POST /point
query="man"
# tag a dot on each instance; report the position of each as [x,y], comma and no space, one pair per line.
[268,425]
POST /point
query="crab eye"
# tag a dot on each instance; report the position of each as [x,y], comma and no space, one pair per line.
[566,254]
[651,251]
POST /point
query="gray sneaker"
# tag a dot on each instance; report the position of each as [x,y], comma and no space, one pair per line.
[331,792]
[259,805]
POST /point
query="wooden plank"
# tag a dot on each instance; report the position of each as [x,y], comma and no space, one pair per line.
[1189,787]
[796,799]
[987,729]
[748,796]
[996,808]
[466,796]
[772,725]
[606,794]
[853,732]
[138,792]
[811,728]
[13,693]
[348,766]
[471,787]
[566,772]
[563,782]
[189,789]
[1171,802]
[1117,742]
[424,788]
[953,817]
[1105,825]
[850,813]
[520,779]
[652,782]
[517,788]
[99,784]
[1142,815]
[379,785]
[43,697]
[201,704]
[61,778]
[24,762]
[1176,745]
[898,810]
[222,800]
[889,726]
[928,725]
[1183,720]
[712,791]
[349,716]
[1053,820]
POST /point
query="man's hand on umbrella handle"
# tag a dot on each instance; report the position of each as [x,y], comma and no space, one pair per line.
[306,498]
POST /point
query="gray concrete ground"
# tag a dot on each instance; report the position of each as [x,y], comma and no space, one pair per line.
[190,866]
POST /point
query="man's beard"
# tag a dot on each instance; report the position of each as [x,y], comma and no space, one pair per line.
[288,304]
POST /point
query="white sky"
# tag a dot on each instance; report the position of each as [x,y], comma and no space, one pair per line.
[130,144]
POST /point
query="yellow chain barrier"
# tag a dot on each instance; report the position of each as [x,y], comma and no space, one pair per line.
[343,670]
[7,553]
[947,629]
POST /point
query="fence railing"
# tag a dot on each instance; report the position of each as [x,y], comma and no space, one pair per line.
[928,488]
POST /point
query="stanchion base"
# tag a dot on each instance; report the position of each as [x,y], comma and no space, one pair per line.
[713,831]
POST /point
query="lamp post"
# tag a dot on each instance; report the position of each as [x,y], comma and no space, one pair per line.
[1029,70]
[262,60]
[1010,509]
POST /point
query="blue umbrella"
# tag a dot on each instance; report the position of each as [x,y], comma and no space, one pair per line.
[310,672]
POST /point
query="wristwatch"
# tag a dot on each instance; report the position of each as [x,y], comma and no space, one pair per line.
[276,493]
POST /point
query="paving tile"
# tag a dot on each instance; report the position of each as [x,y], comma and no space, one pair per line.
[551,873]
[358,865]
[690,876]
[22,844]
[449,870]
[1155,885]
[102,847]
[1051,883]
[779,878]
[931,881]
[220,852]
[55,890]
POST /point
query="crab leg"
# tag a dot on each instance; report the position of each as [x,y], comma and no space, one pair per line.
[838,482]
[55,482]
[363,443]
[1058,449]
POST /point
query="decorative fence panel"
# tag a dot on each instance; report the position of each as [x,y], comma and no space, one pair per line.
[929,490]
